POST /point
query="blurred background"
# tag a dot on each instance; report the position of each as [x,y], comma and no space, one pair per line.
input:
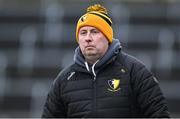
[37,40]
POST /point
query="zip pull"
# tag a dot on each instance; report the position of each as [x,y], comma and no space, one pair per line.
[94,78]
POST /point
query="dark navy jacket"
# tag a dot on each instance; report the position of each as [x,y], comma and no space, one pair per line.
[116,86]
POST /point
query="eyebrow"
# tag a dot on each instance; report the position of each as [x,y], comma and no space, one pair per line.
[93,29]
[82,30]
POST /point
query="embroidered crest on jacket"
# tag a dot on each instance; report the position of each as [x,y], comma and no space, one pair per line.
[114,85]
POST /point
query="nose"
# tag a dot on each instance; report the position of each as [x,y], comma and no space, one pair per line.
[88,37]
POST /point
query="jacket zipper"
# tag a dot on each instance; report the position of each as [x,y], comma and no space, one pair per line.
[94,97]
[94,105]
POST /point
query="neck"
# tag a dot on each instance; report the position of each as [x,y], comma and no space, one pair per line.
[91,61]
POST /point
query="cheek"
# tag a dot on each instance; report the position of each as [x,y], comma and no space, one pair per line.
[102,41]
[81,44]
[102,45]
[80,39]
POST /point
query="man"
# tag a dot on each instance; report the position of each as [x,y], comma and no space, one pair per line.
[103,81]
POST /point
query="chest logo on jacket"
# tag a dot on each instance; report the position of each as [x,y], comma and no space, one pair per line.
[114,85]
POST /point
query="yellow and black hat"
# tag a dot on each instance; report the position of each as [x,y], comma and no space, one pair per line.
[97,17]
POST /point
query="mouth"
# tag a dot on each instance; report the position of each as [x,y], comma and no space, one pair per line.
[89,46]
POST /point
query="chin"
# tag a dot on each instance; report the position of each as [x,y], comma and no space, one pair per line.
[90,53]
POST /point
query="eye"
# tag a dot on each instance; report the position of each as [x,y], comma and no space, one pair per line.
[94,31]
[82,32]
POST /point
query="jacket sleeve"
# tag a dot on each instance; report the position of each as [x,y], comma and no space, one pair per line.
[54,106]
[149,96]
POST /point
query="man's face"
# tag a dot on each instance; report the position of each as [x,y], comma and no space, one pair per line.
[92,42]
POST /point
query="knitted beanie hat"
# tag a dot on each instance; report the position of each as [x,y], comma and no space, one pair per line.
[96,16]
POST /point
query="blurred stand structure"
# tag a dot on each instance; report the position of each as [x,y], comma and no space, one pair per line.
[37,40]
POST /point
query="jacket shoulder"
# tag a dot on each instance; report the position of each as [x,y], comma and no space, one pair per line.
[63,74]
[132,62]
[135,67]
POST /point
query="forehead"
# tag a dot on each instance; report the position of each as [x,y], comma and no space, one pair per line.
[88,28]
